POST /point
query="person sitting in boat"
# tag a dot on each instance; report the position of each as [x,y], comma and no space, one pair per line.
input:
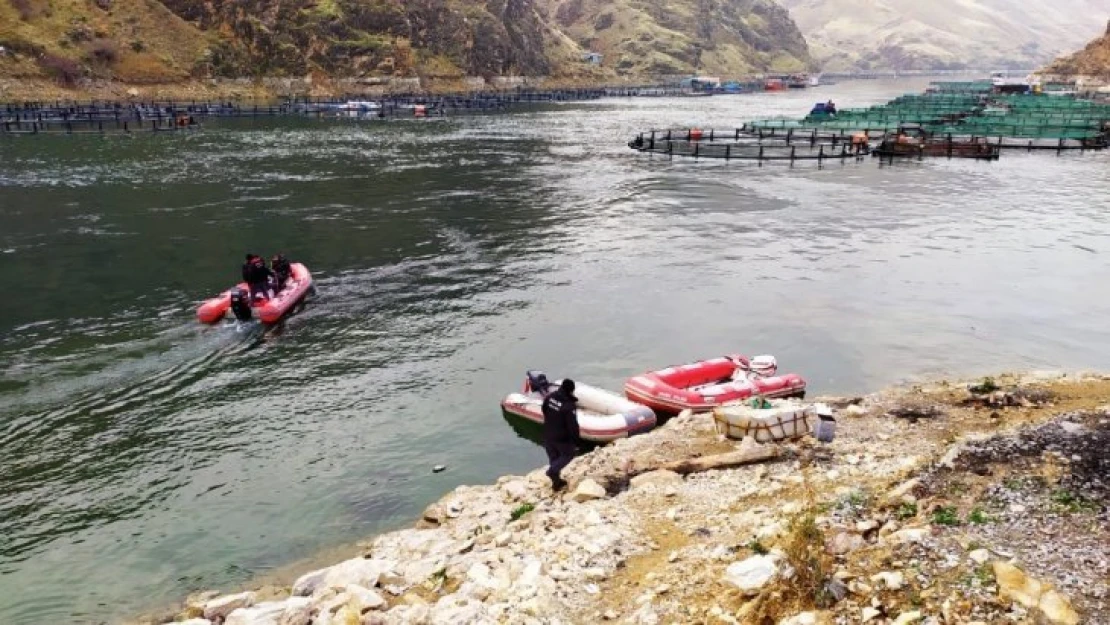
[257,276]
[282,271]
[560,431]
[830,108]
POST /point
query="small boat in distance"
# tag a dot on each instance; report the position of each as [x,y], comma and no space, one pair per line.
[359,106]
[269,311]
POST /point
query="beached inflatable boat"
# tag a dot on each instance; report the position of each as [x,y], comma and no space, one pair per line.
[702,386]
[603,416]
[769,420]
[268,311]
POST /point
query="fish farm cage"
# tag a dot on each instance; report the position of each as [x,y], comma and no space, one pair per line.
[949,119]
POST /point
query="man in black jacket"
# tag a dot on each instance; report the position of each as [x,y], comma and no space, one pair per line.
[257,276]
[560,431]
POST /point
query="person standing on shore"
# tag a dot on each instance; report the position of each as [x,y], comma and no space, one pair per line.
[560,431]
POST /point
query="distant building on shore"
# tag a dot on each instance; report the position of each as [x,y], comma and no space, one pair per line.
[593,58]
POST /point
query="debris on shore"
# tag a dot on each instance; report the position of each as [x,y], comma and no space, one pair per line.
[935,504]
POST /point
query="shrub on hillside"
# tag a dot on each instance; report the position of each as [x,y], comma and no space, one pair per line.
[25,8]
[65,71]
[103,51]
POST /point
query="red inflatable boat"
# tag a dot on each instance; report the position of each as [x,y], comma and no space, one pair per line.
[702,386]
[268,311]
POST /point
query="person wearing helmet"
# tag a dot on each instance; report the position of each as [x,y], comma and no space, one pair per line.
[257,276]
[282,271]
[560,431]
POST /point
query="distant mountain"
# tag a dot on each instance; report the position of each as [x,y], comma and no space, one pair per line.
[944,34]
[1093,60]
[652,37]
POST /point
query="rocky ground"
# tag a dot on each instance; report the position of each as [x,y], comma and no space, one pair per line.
[933,505]
[244,89]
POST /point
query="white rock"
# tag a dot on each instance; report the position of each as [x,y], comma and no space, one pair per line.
[516,489]
[868,613]
[645,615]
[980,556]
[906,618]
[266,613]
[455,609]
[595,574]
[366,598]
[909,535]
[855,410]
[792,507]
[409,615]
[588,490]
[892,580]
[610,615]
[298,611]
[192,621]
[752,574]
[1073,428]
[866,526]
[844,543]
[220,607]
[363,572]
[503,539]
[805,618]
[771,531]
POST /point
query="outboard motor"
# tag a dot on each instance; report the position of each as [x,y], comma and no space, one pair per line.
[240,305]
[764,366]
[536,382]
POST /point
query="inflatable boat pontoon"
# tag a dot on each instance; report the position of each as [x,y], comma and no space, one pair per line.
[704,385]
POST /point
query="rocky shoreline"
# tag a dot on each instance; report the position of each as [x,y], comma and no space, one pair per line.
[935,504]
[265,89]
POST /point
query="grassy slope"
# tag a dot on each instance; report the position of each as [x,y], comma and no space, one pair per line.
[148,43]
[656,37]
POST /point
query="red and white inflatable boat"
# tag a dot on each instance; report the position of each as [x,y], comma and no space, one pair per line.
[702,386]
[268,311]
[603,416]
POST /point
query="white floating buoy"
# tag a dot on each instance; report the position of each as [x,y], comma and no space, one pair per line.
[438,468]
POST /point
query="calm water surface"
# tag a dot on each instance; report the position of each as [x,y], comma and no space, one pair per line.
[143,456]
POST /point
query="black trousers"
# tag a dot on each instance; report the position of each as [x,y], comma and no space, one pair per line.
[260,288]
[559,456]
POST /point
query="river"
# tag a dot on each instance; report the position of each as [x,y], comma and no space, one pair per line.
[143,455]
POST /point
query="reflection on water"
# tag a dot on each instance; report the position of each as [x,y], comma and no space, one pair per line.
[145,456]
